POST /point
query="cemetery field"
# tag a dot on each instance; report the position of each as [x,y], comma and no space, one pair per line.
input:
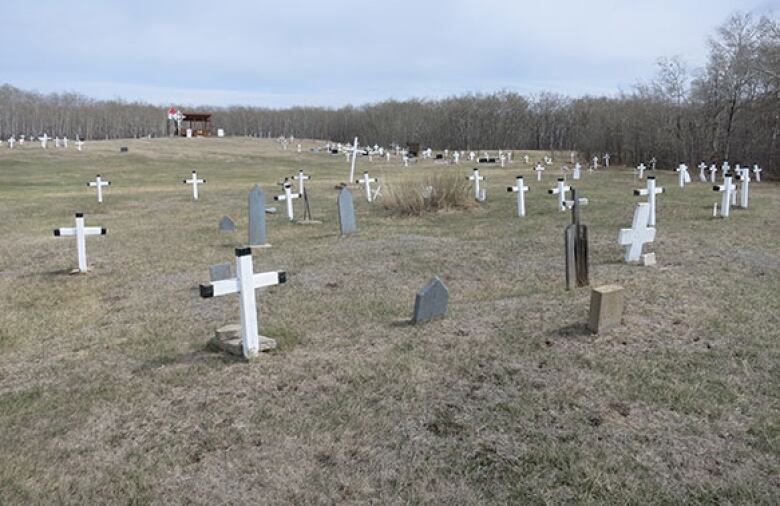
[109,392]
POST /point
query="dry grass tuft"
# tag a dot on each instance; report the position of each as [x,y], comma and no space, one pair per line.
[440,191]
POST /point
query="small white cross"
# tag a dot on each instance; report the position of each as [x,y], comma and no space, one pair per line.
[606,159]
[650,192]
[575,173]
[288,197]
[757,171]
[98,184]
[79,143]
[478,194]
[641,170]
[301,177]
[560,190]
[726,188]
[520,189]
[595,162]
[539,169]
[684,177]
[80,232]
[366,181]
[11,142]
[194,181]
[702,176]
[713,172]
[639,233]
[354,159]
[245,283]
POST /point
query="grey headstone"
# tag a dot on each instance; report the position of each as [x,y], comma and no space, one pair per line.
[226,224]
[346,212]
[431,301]
[218,272]
[256,217]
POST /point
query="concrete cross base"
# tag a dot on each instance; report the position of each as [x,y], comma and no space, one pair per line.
[259,246]
[648,259]
[76,271]
[606,307]
[228,339]
[308,222]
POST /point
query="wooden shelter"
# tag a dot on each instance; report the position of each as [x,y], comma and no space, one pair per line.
[200,123]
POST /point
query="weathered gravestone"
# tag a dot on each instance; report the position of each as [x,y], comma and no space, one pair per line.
[218,272]
[257,212]
[606,307]
[346,212]
[226,224]
[431,301]
[576,244]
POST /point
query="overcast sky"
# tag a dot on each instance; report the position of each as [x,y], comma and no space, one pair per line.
[291,52]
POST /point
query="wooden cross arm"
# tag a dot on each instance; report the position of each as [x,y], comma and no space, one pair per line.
[228,286]
[95,231]
[64,232]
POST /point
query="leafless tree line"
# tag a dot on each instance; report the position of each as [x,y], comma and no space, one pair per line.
[730,109]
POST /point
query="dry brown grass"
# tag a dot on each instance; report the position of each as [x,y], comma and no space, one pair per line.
[438,190]
[109,394]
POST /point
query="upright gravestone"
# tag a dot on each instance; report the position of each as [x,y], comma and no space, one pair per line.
[257,217]
[226,224]
[431,301]
[346,212]
[576,244]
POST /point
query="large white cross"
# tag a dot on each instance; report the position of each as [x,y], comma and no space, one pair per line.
[245,283]
[560,190]
[194,181]
[478,194]
[744,188]
[539,169]
[98,184]
[288,198]
[606,160]
[726,188]
[80,232]
[79,143]
[11,142]
[639,233]
[520,189]
[683,176]
[44,140]
[650,192]
[702,176]
[301,177]
[354,159]
[366,182]
[713,172]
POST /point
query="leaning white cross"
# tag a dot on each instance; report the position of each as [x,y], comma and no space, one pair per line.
[301,177]
[98,184]
[702,168]
[80,232]
[684,177]
[244,284]
[478,194]
[288,198]
[520,189]
[726,188]
[539,169]
[366,181]
[639,233]
[560,190]
[354,158]
[194,181]
[650,192]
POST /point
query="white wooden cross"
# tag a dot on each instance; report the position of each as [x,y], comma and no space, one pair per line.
[502,157]
[560,190]
[633,238]
[98,184]
[575,173]
[80,232]
[726,188]
[713,172]
[571,156]
[539,169]
[366,181]
[44,140]
[606,160]
[520,189]
[472,156]
[683,176]
[301,177]
[57,142]
[288,198]
[354,159]
[65,142]
[194,181]
[527,159]
[11,142]
[702,176]
[79,143]
[641,169]
[244,284]
[650,192]
[725,168]
[456,157]
[595,162]
[756,170]
[478,194]
[744,188]
[299,148]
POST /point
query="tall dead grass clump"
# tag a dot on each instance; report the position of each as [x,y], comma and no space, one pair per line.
[440,191]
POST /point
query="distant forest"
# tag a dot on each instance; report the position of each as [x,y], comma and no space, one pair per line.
[729,109]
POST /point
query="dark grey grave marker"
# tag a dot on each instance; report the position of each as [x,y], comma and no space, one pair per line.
[431,301]
[226,224]
[218,272]
[576,243]
[257,217]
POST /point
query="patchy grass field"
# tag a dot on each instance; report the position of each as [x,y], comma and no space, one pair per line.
[108,393]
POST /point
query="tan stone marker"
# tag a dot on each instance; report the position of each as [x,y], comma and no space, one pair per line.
[606,307]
